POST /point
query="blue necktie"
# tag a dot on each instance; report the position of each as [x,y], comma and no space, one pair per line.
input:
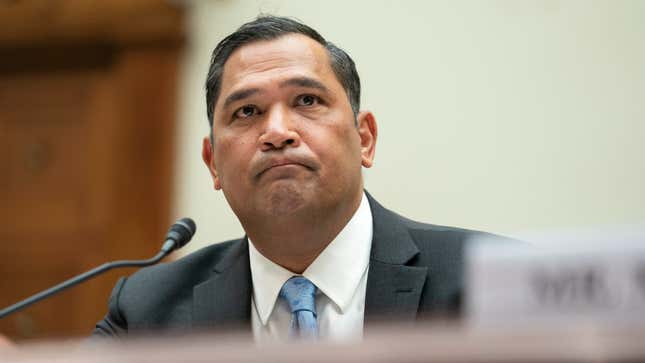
[300,294]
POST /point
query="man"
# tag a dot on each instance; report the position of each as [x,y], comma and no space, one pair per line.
[321,257]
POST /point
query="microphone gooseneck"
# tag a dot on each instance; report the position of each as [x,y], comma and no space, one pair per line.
[178,235]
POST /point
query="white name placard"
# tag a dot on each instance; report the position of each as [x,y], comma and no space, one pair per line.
[589,275]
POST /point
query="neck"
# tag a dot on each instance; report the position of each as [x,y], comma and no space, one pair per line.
[295,241]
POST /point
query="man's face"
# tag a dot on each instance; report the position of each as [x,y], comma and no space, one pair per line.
[285,139]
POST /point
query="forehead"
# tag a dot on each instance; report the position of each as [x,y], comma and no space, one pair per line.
[271,60]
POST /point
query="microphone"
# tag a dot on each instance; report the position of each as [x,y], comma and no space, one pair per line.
[178,235]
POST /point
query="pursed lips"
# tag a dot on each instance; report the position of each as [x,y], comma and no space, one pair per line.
[279,163]
[283,164]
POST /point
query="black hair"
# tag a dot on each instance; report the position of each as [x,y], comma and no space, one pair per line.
[269,27]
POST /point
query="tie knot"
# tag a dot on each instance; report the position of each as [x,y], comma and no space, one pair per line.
[300,294]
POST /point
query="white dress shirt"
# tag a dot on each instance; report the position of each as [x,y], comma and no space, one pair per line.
[339,272]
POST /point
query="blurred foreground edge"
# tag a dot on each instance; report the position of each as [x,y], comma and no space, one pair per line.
[579,342]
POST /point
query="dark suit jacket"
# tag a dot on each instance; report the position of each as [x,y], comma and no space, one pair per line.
[415,270]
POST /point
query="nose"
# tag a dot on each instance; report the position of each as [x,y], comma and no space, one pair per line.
[279,131]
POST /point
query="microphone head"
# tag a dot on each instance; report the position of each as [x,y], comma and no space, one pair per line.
[181,232]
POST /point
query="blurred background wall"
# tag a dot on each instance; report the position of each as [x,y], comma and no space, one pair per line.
[505,116]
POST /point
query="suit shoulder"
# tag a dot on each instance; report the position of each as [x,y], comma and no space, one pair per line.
[161,295]
[421,229]
[447,239]
[194,266]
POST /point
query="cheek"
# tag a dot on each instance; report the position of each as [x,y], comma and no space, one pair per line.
[339,147]
[232,154]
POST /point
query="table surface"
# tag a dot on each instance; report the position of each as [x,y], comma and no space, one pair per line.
[579,342]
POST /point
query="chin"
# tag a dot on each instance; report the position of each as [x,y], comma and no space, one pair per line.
[284,199]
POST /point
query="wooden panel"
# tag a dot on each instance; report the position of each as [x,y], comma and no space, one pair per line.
[46,121]
[88,21]
[86,152]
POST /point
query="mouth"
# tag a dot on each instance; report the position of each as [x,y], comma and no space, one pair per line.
[282,164]
[278,165]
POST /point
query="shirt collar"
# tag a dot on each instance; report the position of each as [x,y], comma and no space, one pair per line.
[336,272]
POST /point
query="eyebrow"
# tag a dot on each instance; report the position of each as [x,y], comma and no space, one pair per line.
[240,95]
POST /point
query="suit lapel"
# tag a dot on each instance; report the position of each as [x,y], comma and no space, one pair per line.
[393,288]
[225,298]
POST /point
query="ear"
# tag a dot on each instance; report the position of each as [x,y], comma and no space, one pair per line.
[207,156]
[367,131]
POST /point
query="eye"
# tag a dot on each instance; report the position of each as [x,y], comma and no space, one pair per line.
[245,111]
[307,100]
